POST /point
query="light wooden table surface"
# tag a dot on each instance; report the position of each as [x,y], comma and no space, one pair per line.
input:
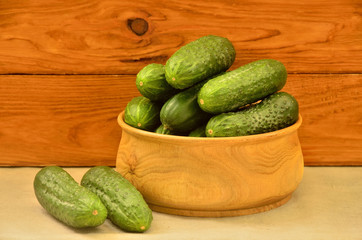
[326,205]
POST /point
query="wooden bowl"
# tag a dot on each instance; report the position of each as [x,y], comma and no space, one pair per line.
[212,177]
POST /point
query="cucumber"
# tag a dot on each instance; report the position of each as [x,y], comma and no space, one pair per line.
[142,113]
[162,130]
[242,86]
[181,113]
[199,60]
[126,207]
[198,132]
[151,83]
[275,112]
[61,196]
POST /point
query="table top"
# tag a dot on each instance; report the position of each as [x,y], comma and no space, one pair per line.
[326,205]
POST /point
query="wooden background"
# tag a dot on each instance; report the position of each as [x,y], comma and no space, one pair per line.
[67,68]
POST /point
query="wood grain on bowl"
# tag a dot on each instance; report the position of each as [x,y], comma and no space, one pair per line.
[212,177]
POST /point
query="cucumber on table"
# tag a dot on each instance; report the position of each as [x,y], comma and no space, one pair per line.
[199,60]
[275,112]
[151,83]
[244,85]
[142,113]
[126,207]
[181,113]
[66,200]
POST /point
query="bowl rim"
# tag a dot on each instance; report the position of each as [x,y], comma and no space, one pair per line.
[256,137]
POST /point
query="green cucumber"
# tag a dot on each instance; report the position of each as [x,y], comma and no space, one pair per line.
[61,196]
[151,83]
[198,132]
[165,131]
[199,60]
[162,130]
[126,207]
[181,113]
[142,113]
[244,85]
[275,112]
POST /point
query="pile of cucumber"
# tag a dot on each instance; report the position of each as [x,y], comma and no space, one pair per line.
[103,193]
[195,95]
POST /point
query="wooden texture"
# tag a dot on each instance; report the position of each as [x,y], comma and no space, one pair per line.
[61,120]
[118,37]
[212,177]
[71,120]
[68,68]
[331,106]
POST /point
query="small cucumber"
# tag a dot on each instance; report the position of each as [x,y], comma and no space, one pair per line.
[199,60]
[198,132]
[162,130]
[126,207]
[66,200]
[181,113]
[165,131]
[244,85]
[275,112]
[142,113]
[151,83]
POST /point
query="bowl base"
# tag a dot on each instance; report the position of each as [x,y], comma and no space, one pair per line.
[220,213]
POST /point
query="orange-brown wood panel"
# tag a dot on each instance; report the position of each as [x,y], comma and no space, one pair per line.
[71,120]
[119,37]
[331,107]
[63,120]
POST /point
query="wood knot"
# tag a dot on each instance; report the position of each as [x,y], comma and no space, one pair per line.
[138,25]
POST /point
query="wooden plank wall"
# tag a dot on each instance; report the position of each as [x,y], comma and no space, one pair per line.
[67,68]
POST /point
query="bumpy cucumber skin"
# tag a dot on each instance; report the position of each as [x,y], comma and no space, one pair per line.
[275,112]
[151,83]
[181,113]
[66,200]
[142,113]
[199,60]
[126,207]
[242,86]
